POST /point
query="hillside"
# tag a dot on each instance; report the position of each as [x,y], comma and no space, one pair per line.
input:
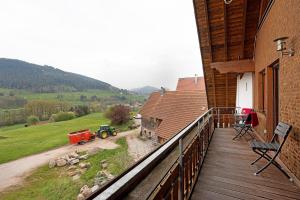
[146,90]
[16,74]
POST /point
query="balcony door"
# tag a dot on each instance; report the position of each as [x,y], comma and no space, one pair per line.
[272,98]
[275,82]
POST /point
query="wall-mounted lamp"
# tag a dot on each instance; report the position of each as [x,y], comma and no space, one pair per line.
[227,1]
[281,46]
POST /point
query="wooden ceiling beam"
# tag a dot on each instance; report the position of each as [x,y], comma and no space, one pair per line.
[263,6]
[238,66]
[225,33]
[210,51]
[225,52]
[242,54]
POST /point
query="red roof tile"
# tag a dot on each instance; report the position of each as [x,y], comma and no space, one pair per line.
[190,83]
[176,109]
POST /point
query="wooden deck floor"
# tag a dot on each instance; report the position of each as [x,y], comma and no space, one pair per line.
[227,173]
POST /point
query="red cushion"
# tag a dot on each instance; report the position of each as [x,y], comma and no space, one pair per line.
[254,119]
[246,110]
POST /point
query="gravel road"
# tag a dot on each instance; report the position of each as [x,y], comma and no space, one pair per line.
[14,172]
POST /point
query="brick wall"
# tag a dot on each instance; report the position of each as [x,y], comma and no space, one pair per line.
[283,20]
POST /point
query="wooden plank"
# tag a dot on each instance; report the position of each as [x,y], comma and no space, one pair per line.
[238,66]
[227,173]
[240,190]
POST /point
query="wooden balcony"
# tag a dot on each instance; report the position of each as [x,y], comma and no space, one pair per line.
[227,173]
[201,162]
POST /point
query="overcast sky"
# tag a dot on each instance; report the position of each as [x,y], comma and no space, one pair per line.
[127,43]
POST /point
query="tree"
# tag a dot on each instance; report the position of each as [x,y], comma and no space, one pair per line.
[44,109]
[80,110]
[118,114]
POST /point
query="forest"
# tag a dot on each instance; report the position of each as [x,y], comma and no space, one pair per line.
[16,74]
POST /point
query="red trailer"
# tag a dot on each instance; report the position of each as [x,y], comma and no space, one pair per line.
[80,137]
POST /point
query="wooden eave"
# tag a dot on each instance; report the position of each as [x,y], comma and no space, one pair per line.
[237,66]
[226,33]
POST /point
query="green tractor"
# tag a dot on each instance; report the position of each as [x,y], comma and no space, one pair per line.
[105,131]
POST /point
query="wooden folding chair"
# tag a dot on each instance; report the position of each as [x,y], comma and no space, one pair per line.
[262,148]
[250,122]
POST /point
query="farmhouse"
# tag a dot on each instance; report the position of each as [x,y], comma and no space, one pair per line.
[167,112]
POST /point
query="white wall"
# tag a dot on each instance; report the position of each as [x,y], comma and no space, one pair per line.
[244,93]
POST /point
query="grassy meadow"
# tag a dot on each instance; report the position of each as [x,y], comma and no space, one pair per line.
[74,97]
[54,183]
[18,141]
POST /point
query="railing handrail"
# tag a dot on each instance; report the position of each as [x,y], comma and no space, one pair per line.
[119,185]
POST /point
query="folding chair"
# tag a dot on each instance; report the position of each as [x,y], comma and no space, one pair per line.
[262,149]
[250,122]
[241,118]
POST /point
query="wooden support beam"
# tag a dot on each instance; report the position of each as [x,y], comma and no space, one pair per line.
[242,54]
[238,66]
[225,33]
[225,52]
[210,51]
[263,6]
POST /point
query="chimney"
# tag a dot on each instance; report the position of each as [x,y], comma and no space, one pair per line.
[162,91]
[196,79]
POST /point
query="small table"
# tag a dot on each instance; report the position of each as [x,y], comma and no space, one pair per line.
[240,116]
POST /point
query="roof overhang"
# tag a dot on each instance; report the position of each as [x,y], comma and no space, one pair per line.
[237,66]
[226,33]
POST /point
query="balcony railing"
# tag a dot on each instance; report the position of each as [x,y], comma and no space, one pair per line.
[170,171]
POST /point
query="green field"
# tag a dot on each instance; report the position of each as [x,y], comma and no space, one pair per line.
[54,184]
[74,97]
[18,141]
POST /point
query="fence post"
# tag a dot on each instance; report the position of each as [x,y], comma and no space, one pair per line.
[181,171]
[218,113]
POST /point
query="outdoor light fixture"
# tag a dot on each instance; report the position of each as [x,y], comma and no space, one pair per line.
[227,1]
[281,46]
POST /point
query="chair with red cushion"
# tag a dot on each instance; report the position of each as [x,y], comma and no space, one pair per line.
[246,110]
[250,122]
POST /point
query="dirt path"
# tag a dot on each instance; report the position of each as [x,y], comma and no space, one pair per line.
[14,172]
[137,147]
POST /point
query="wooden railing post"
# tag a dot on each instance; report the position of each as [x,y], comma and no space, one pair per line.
[218,113]
[181,171]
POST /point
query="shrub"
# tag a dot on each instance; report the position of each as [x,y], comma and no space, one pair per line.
[80,110]
[97,107]
[118,114]
[62,116]
[83,98]
[32,120]
[11,93]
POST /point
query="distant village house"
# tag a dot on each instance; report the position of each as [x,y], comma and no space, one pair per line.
[167,112]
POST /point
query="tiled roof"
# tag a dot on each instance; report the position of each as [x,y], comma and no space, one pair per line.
[190,83]
[149,107]
[176,109]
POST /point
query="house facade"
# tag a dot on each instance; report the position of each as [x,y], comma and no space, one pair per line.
[167,112]
[245,64]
